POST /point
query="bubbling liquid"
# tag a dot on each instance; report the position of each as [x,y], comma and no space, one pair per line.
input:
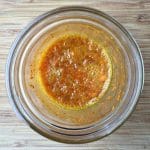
[75,71]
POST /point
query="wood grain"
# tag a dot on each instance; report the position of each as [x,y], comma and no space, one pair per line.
[134,15]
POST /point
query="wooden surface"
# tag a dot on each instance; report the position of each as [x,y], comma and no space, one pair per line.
[134,134]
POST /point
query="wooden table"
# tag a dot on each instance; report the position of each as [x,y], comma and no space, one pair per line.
[135,133]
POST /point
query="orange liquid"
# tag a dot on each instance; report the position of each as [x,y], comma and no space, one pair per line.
[73,71]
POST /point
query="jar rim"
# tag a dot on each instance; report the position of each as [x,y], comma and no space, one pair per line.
[9,77]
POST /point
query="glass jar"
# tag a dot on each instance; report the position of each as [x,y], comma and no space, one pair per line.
[126,85]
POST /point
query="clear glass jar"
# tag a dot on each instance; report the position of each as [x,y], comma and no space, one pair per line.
[23,100]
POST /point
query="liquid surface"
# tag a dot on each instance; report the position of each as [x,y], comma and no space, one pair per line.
[74,71]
